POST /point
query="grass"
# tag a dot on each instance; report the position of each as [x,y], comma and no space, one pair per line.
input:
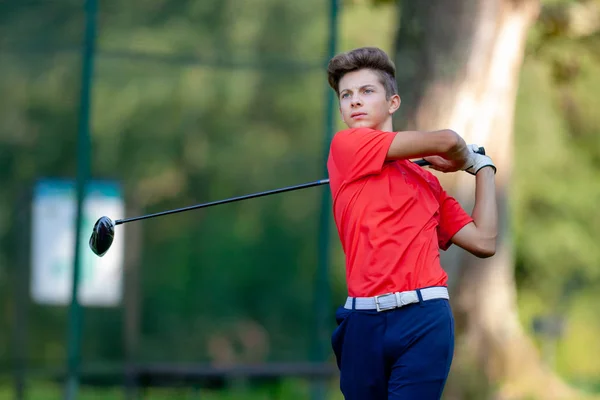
[288,389]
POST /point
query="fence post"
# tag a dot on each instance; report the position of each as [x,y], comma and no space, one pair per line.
[322,298]
[83,173]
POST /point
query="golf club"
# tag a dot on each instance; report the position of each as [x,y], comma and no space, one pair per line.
[103,232]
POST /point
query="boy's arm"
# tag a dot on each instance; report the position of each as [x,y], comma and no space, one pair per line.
[416,144]
[479,236]
[359,152]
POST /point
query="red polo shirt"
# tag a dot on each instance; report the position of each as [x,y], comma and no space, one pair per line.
[392,217]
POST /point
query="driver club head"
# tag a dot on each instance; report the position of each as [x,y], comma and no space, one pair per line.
[102,236]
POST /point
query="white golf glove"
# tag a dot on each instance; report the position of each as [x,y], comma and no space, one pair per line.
[478,161]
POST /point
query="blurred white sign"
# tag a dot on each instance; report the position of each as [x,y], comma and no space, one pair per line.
[52,253]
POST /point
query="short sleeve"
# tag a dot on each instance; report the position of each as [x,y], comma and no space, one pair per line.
[452,219]
[356,153]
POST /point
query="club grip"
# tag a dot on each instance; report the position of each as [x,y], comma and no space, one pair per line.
[424,163]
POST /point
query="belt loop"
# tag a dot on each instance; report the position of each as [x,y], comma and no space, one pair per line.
[353,303]
[420,298]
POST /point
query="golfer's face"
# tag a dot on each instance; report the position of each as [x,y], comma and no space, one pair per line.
[362,100]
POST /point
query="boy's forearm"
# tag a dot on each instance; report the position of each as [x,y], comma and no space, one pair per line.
[485,211]
[414,144]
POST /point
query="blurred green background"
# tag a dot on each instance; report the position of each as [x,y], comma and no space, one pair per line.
[199,101]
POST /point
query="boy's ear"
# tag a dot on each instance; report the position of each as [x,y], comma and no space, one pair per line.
[395,102]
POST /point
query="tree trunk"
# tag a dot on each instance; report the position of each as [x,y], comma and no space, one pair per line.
[458,65]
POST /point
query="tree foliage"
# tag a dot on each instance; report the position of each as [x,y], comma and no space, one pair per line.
[192,102]
[558,153]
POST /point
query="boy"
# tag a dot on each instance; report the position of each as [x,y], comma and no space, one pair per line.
[395,333]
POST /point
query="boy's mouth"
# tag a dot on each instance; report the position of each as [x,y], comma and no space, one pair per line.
[358,115]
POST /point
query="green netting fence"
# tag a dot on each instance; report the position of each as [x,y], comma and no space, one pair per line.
[188,102]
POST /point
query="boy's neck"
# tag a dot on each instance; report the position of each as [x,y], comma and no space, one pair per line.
[387,126]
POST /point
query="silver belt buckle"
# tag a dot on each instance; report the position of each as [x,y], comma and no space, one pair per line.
[378,306]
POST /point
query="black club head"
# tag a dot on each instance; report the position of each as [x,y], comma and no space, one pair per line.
[102,236]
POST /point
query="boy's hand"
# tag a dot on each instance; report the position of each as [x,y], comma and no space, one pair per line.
[458,160]
[444,165]
[468,159]
[480,161]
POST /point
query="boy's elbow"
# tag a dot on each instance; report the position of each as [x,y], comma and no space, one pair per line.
[486,248]
[451,141]
[486,253]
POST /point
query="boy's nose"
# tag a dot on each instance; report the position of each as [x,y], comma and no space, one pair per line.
[356,101]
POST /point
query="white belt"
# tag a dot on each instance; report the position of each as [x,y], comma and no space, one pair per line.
[390,301]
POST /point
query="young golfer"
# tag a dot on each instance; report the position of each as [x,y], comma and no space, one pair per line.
[395,333]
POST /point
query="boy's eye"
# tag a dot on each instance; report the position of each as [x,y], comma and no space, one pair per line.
[368,90]
[345,95]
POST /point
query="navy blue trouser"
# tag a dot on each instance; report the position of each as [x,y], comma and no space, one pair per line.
[404,353]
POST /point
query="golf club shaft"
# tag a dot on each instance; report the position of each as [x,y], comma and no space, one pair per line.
[421,163]
[230,200]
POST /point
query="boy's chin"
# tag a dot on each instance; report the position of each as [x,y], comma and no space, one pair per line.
[362,124]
